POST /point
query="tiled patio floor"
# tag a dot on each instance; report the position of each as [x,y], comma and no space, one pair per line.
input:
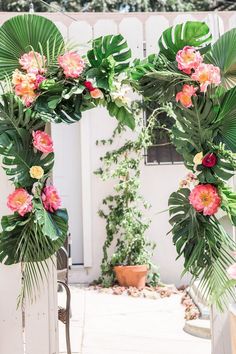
[109,324]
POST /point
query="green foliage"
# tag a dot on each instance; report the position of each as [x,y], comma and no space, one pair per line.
[22,33]
[191,33]
[202,241]
[109,55]
[123,211]
[223,55]
[227,119]
[19,157]
[206,126]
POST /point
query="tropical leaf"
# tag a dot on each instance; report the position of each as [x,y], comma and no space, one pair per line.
[204,244]
[20,34]
[228,202]
[14,115]
[123,114]
[142,67]
[162,85]
[56,109]
[23,240]
[19,157]
[114,46]
[223,55]
[190,33]
[227,120]
[194,127]
[222,171]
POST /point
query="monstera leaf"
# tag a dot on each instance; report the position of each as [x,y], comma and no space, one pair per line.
[109,56]
[20,34]
[190,33]
[223,55]
[19,157]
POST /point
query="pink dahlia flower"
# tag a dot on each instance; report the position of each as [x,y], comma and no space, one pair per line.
[185,96]
[21,201]
[232,271]
[207,74]
[51,199]
[72,64]
[42,141]
[33,62]
[188,58]
[205,198]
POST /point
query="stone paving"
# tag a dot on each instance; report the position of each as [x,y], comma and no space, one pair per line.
[102,323]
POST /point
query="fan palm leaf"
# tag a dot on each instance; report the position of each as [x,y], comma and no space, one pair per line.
[21,34]
[223,55]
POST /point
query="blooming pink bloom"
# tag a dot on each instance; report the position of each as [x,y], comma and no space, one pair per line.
[72,64]
[205,198]
[33,62]
[188,58]
[42,141]
[96,93]
[207,74]
[232,271]
[184,96]
[51,199]
[209,160]
[21,201]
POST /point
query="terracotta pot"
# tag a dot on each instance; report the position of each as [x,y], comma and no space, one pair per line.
[131,275]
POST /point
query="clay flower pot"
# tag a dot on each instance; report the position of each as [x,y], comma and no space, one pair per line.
[131,275]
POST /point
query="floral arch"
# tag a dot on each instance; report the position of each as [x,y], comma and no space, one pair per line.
[46,81]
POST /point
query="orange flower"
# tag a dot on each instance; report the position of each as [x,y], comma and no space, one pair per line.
[185,96]
[96,93]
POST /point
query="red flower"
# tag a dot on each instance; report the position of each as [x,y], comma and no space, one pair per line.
[209,160]
[89,86]
[205,198]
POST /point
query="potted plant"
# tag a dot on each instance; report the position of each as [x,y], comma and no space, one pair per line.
[126,224]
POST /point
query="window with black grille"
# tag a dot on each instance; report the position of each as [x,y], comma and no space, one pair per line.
[162,151]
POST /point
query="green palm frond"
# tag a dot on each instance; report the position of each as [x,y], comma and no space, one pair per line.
[20,34]
[227,120]
[223,55]
[190,33]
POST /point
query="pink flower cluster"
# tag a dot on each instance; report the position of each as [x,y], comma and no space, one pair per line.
[190,178]
[205,198]
[72,64]
[21,201]
[27,83]
[190,62]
